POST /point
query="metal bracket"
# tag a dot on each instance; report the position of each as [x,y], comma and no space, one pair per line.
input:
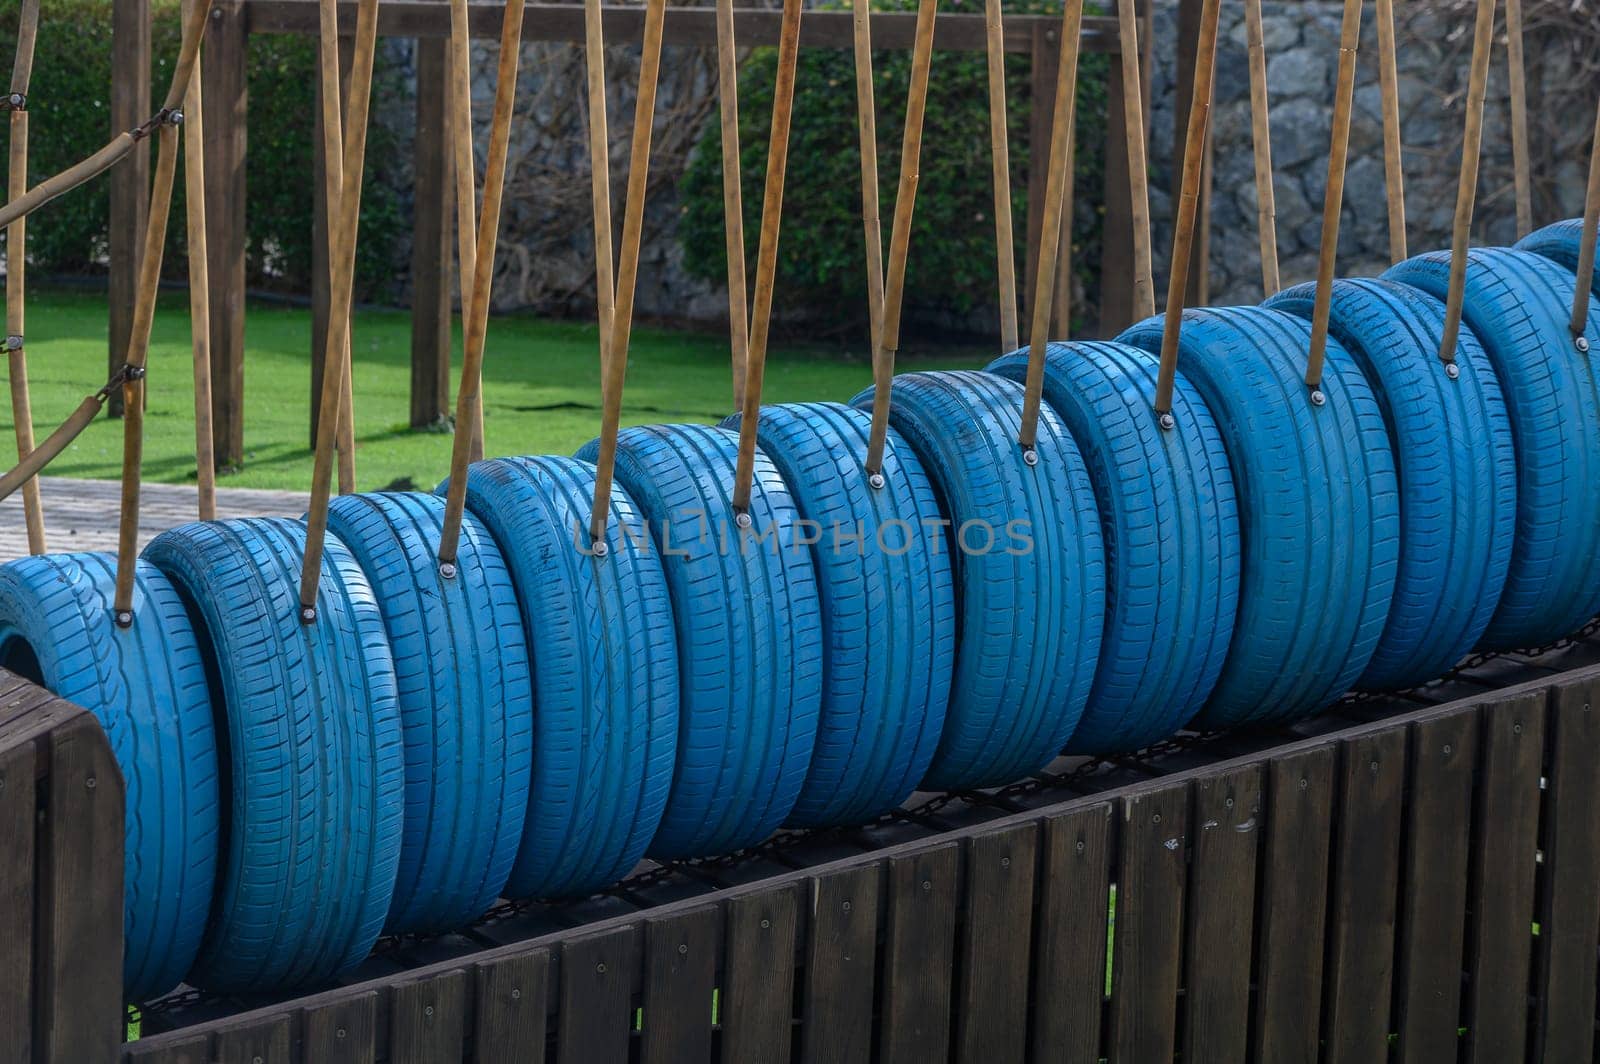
[14,101]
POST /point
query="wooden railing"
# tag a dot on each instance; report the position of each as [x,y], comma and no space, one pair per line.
[1427,884]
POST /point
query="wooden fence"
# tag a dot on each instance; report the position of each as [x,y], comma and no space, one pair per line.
[226,51]
[1424,888]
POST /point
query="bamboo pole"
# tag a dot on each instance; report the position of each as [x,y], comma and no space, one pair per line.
[53,444]
[144,310]
[614,372]
[1518,78]
[1261,145]
[16,266]
[1586,244]
[341,269]
[194,198]
[333,181]
[600,176]
[1000,157]
[114,152]
[1144,292]
[900,237]
[1058,177]
[871,216]
[733,197]
[1333,198]
[1389,91]
[767,256]
[466,181]
[1205,63]
[1467,185]
[468,394]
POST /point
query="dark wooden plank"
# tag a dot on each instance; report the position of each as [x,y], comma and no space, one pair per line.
[1292,909]
[341,1032]
[757,1000]
[1148,946]
[1363,896]
[510,1006]
[261,1041]
[1569,911]
[919,954]
[1116,227]
[1433,904]
[1074,907]
[192,1050]
[679,976]
[841,966]
[17,854]
[690,27]
[226,94]
[1501,901]
[427,1018]
[128,181]
[1224,834]
[596,1018]
[433,200]
[77,1013]
[992,998]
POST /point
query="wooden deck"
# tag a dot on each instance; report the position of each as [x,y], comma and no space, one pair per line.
[81,515]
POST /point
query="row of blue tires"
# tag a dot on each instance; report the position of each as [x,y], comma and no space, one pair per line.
[534,720]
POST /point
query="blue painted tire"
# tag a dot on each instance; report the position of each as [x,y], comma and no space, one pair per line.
[147,687]
[605,673]
[1517,303]
[1171,528]
[749,627]
[888,609]
[465,699]
[311,751]
[1030,590]
[1318,511]
[1560,242]
[1457,469]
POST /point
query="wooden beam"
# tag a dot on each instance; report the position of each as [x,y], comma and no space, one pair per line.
[692,27]
[430,248]
[226,48]
[130,105]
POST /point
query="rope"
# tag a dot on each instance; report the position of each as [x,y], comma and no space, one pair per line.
[194,187]
[888,344]
[332,181]
[1000,156]
[1389,93]
[345,216]
[732,196]
[1467,186]
[1333,198]
[1261,146]
[468,400]
[1586,243]
[615,350]
[1058,178]
[1144,294]
[767,256]
[1205,63]
[466,181]
[144,309]
[1518,78]
[16,263]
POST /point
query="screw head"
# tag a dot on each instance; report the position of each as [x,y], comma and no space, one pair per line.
[308,614]
[17,99]
[601,967]
[447,570]
[124,618]
[683,949]
[91,783]
[1446,749]
[1228,803]
[1318,398]
[340,1033]
[516,993]
[765,924]
[1304,783]
[1516,729]
[1030,456]
[1080,846]
[876,481]
[927,885]
[846,906]
[601,549]
[742,519]
[1452,371]
[1167,422]
[1156,819]
[1582,344]
[1005,862]
[427,1010]
[175,118]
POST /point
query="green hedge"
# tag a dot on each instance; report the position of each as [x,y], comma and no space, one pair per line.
[951,264]
[69,106]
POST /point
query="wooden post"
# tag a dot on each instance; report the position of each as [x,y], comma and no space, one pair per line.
[1200,251]
[430,249]
[226,48]
[130,105]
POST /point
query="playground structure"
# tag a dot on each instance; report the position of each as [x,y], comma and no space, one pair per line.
[1302,544]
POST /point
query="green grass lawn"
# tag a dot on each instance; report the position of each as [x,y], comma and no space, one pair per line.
[541,389]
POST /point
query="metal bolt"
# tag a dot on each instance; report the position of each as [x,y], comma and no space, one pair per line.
[308,615]
[1452,371]
[124,618]
[1582,344]
[1446,749]
[91,783]
[255,1060]
[846,906]
[927,885]
[1156,819]
[876,481]
[1228,803]
[339,1033]
[175,118]
[1374,768]
[1304,783]
[1167,422]
[1080,845]
[1030,457]
[516,993]
[216,14]
[447,570]
[17,99]
[1318,398]
[14,342]
[742,519]
[765,924]
[427,1010]
[601,967]
[683,949]
[601,549]
[1516,729]
[1005,862]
